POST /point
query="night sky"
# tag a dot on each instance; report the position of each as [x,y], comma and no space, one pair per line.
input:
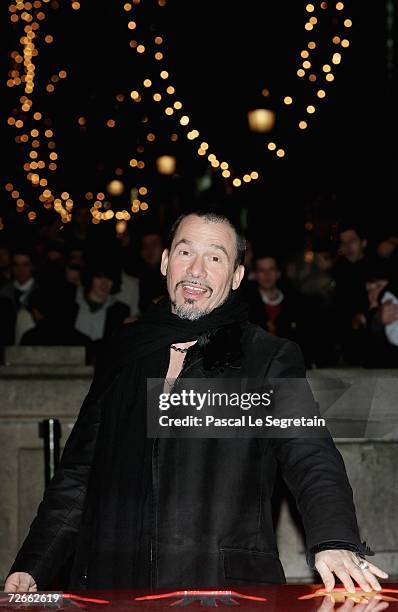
[219,56]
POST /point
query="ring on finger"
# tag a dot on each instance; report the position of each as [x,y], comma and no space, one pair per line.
[361,563]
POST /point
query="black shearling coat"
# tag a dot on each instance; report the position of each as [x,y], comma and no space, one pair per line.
[211,520]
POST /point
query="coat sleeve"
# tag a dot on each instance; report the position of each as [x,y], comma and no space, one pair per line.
[52,536]
[314,470]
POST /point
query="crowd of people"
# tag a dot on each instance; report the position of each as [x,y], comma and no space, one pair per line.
[340,307]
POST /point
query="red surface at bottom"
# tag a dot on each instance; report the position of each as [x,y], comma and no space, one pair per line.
[287,598]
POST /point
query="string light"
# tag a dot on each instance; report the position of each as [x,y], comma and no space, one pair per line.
[42,156]
[307,63]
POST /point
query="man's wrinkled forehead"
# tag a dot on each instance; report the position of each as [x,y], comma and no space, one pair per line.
[196,232]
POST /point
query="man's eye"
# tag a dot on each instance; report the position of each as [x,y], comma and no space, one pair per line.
[215,258]
[184,252]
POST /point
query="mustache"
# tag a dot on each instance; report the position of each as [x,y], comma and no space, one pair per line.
[191,282]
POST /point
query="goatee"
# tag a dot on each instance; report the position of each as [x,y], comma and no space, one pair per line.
[185,311]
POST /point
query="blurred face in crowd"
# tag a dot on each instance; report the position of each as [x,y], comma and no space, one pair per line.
[385,248]
[72,274]
[101,287]
[324,260]
[76,257]
[151,249]
[200,267]
[56,257]
[266,273]
[374,288]
[22,268]
[352,247]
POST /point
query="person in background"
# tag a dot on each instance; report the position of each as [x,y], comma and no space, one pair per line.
[278,312]
[151,281]
[7,322]
[249,261]
[129,294]
[75,255]
[318,290]
[350,273]
[53,322]
[73,274]
[387,247]
[51,271]
[18,290]
[5,265]
[387,254]
[380,326]
[79,230]
[98,312]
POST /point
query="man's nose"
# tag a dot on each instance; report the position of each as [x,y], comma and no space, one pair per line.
[197,267]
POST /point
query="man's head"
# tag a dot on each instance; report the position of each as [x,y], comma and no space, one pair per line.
[22,266]
[266,272]
[73,273]
[55,253]
[324,260]
[75,256]
[101,286]
[100,281]
[352,243]
[203,263]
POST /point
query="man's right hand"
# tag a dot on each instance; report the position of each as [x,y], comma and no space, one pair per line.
[20,582]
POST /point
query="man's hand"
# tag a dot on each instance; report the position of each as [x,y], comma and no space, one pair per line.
[350,606]
[20,582]
[343,563]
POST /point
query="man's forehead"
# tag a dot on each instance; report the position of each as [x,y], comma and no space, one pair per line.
[349,234]
[198,231]
[266,262]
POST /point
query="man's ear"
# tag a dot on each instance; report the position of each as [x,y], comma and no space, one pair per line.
[237,277]
[164,262]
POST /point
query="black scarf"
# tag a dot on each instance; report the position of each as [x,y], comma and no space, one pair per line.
[121,468]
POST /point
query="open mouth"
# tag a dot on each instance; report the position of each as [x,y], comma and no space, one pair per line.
[193,291]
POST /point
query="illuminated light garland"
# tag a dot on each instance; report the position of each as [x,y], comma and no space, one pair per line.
[25,61]
[307,64]
[22,73]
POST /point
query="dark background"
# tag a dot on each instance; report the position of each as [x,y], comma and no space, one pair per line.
[220,55]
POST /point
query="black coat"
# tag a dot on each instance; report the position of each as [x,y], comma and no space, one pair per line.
[212,521]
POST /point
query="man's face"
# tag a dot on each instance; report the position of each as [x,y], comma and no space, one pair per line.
[76,257]
[73,274]
[55,257]
[324,260]
[200,267]
[374,288]
[151,249]
[102,286]
[22,268]
[266,273]
[351,246]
